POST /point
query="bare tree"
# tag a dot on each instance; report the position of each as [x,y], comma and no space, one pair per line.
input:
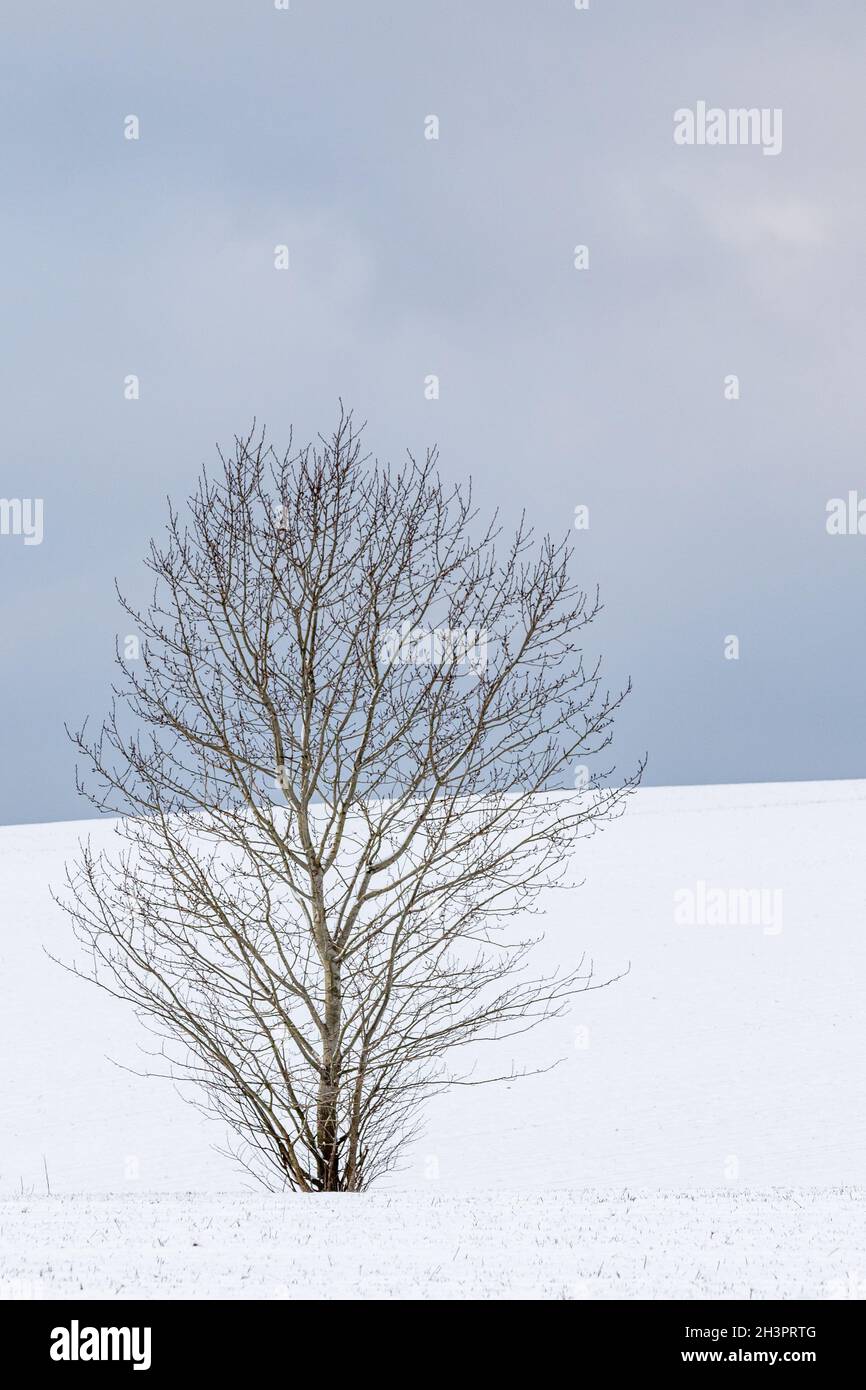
[338,768]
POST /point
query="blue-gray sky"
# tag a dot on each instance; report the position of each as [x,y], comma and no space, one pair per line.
[410,257]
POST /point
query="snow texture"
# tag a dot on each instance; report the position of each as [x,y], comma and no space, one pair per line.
[566,1245]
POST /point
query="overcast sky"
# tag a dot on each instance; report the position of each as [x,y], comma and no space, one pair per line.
[455,257]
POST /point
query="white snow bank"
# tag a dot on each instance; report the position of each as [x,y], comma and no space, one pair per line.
[730,1057]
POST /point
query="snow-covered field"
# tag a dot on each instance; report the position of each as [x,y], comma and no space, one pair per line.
[721,1080]
[575,1245]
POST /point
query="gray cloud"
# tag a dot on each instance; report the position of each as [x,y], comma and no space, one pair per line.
[454,257]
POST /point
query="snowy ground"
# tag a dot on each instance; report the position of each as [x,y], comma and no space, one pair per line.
[727,1063]
[573,1245]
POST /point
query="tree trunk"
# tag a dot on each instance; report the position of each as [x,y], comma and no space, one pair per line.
[329,1085]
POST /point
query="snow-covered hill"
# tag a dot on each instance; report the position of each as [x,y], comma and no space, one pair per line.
[729,1057]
